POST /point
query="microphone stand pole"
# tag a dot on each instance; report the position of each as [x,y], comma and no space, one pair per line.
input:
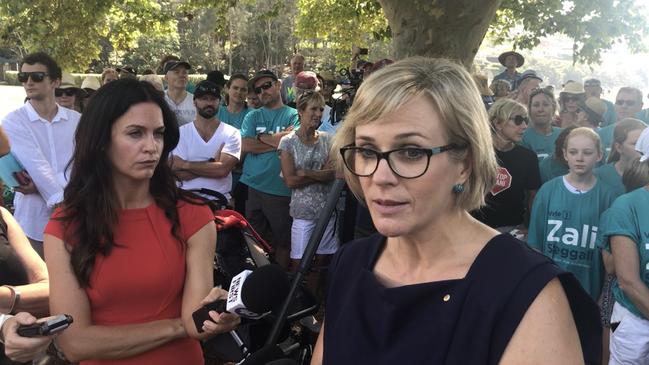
[307,258]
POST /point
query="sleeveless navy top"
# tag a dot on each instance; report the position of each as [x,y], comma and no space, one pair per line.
[463,321]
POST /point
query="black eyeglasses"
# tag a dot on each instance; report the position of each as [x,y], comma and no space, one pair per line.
[408,162]
[265,86]
[623,102]
[67,92]
[519,119]
[36,76]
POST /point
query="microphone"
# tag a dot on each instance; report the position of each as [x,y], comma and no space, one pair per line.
[254,294]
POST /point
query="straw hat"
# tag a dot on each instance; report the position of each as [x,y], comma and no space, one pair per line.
[90,83]
[67,82]
[573,87]
[595,108]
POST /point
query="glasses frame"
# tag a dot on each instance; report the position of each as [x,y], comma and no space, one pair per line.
[629,103]
[385,155]
[575,98]
[36,76]
[265,86]
[67,92]
[519,119]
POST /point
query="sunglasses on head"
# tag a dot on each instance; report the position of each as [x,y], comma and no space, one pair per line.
[265,86]
[623,102]
[67,92]
[519,119]
[37,76]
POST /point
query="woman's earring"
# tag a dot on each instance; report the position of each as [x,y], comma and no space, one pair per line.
[458,188]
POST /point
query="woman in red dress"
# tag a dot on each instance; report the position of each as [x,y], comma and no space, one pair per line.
[130,255]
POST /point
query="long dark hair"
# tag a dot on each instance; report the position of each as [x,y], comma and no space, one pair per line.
[90,208]
[229,83]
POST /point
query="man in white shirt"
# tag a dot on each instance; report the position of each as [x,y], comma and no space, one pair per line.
[41,134]
[208,150]
[180,101]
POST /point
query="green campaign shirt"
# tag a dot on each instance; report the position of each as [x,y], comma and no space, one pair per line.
[542,145]
[233,119]
[628,216]
[606,136]
[261,171]
[564,227]
[550,168]
[609,176]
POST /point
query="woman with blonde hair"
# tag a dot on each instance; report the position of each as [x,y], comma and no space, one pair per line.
[567,209]
[434,285]
[306,170]
[518,171]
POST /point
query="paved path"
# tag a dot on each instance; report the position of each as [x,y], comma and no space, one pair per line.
[11,98]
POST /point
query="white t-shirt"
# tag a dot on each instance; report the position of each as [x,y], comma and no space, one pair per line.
[185,111]
[192,147]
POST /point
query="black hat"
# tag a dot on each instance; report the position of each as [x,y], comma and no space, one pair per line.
[520,60]
[172,65]
[207,87]
[260,75]
[127,69]
[216,77]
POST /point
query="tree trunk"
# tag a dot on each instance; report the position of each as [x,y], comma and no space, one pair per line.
[439,28]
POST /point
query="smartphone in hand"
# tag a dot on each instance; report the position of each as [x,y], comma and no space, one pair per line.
[46,328]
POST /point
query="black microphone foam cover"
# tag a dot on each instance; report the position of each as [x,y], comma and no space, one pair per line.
[265,289]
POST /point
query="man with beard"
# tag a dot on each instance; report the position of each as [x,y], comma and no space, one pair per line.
[267,207]
[208,150]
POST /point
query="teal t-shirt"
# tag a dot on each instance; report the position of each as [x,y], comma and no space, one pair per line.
[606,136]
[233,119]
[261,171]
[564,227]
[609,114]
[609,176]
[550,168]
[542,145]
[628,216]
[643,115]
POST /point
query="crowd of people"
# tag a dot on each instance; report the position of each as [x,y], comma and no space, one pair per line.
[106,227]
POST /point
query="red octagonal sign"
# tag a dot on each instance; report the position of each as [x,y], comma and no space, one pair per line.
[503,181]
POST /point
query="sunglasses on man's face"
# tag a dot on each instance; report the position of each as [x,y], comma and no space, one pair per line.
[623,102]
[519,119]
[265,86]
[37,76]
[67,92]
